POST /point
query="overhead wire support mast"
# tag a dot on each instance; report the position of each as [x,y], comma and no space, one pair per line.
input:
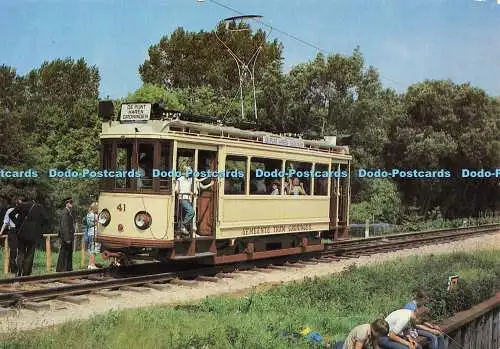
[243,67]
[291,35]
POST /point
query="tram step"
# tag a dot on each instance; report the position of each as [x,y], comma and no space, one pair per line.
[198,255]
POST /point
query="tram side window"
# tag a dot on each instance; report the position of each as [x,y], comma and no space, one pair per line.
[107,163]
[185,159]
[298,181]
[145,161]
[165,165]
[233,182]
[321,176]
[123,163]
[259,183]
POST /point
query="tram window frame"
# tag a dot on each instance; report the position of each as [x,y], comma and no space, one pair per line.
[203,170]
[128,146]
[109,161]
[319,167]
[232,180]
[165,161]
[303,167]
[278,164]
[154,164]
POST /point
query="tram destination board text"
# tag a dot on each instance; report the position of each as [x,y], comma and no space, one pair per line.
[135,112]
[284,142]
[271,229]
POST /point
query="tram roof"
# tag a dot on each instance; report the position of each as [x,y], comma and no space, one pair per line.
[174,122]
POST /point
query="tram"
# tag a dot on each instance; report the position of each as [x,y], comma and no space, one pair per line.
[262,194]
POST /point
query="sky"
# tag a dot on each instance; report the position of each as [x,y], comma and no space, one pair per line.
[407,41]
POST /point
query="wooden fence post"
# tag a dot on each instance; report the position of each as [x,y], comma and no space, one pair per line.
[48,252]
[6,255]
[83,252]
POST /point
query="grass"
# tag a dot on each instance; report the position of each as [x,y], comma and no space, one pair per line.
[40,264]
[331,305]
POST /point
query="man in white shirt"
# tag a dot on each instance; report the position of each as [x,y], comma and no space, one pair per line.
[10,227]
[398,321]
[184,189]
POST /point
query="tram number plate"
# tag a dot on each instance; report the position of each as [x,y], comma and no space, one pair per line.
[121,207]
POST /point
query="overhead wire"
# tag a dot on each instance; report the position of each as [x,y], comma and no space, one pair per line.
[307,43]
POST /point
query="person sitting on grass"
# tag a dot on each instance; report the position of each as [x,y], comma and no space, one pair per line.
[398,321]
[365,336]
[425,329]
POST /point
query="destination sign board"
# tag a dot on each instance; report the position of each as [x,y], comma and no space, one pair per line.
[135,112]
[284,142]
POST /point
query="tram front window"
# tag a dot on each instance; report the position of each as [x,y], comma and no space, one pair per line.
[145,161]
[123,163]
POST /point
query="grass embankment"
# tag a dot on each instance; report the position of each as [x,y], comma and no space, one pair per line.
[330,305]
[424,225]
[40,264]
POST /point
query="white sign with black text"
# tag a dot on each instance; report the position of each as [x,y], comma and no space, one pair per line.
[135,112]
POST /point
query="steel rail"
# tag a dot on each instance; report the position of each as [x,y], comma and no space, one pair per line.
[332,252]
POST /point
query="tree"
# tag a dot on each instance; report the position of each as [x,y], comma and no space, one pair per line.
[380,202]
[188,59]
[11,88]
[452,127]
[154,93]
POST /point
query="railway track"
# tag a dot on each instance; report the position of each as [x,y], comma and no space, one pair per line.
[73,287]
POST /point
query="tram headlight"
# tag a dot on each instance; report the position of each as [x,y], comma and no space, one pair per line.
[142,220]
[104,217]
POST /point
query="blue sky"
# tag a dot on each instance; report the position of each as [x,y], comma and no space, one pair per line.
[407,41]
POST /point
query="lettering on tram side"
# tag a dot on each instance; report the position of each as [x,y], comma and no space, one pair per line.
[281,228]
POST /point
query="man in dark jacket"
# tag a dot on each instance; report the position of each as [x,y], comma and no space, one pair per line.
[30,219]
[67,235]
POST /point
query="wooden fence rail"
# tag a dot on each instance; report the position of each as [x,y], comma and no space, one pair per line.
[48,250]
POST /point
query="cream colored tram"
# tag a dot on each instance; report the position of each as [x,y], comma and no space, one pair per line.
[239,217]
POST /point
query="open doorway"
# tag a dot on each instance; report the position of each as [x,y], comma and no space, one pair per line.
[206,206]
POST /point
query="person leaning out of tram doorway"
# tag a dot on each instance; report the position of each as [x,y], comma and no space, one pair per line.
[93,246]
[184,189]
[67,235]
[9,227]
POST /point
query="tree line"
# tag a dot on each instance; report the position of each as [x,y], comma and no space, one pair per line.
[49,119]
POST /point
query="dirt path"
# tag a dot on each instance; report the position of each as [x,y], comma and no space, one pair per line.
[241,284]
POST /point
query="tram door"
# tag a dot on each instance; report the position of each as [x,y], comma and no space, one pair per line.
[206,207]
[334,202]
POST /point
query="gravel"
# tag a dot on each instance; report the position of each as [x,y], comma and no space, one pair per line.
[240,284]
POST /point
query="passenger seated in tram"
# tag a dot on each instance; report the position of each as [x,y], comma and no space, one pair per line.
[296,188]
[275,189]
[258,186]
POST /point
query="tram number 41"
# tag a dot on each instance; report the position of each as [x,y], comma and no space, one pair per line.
[120,207]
